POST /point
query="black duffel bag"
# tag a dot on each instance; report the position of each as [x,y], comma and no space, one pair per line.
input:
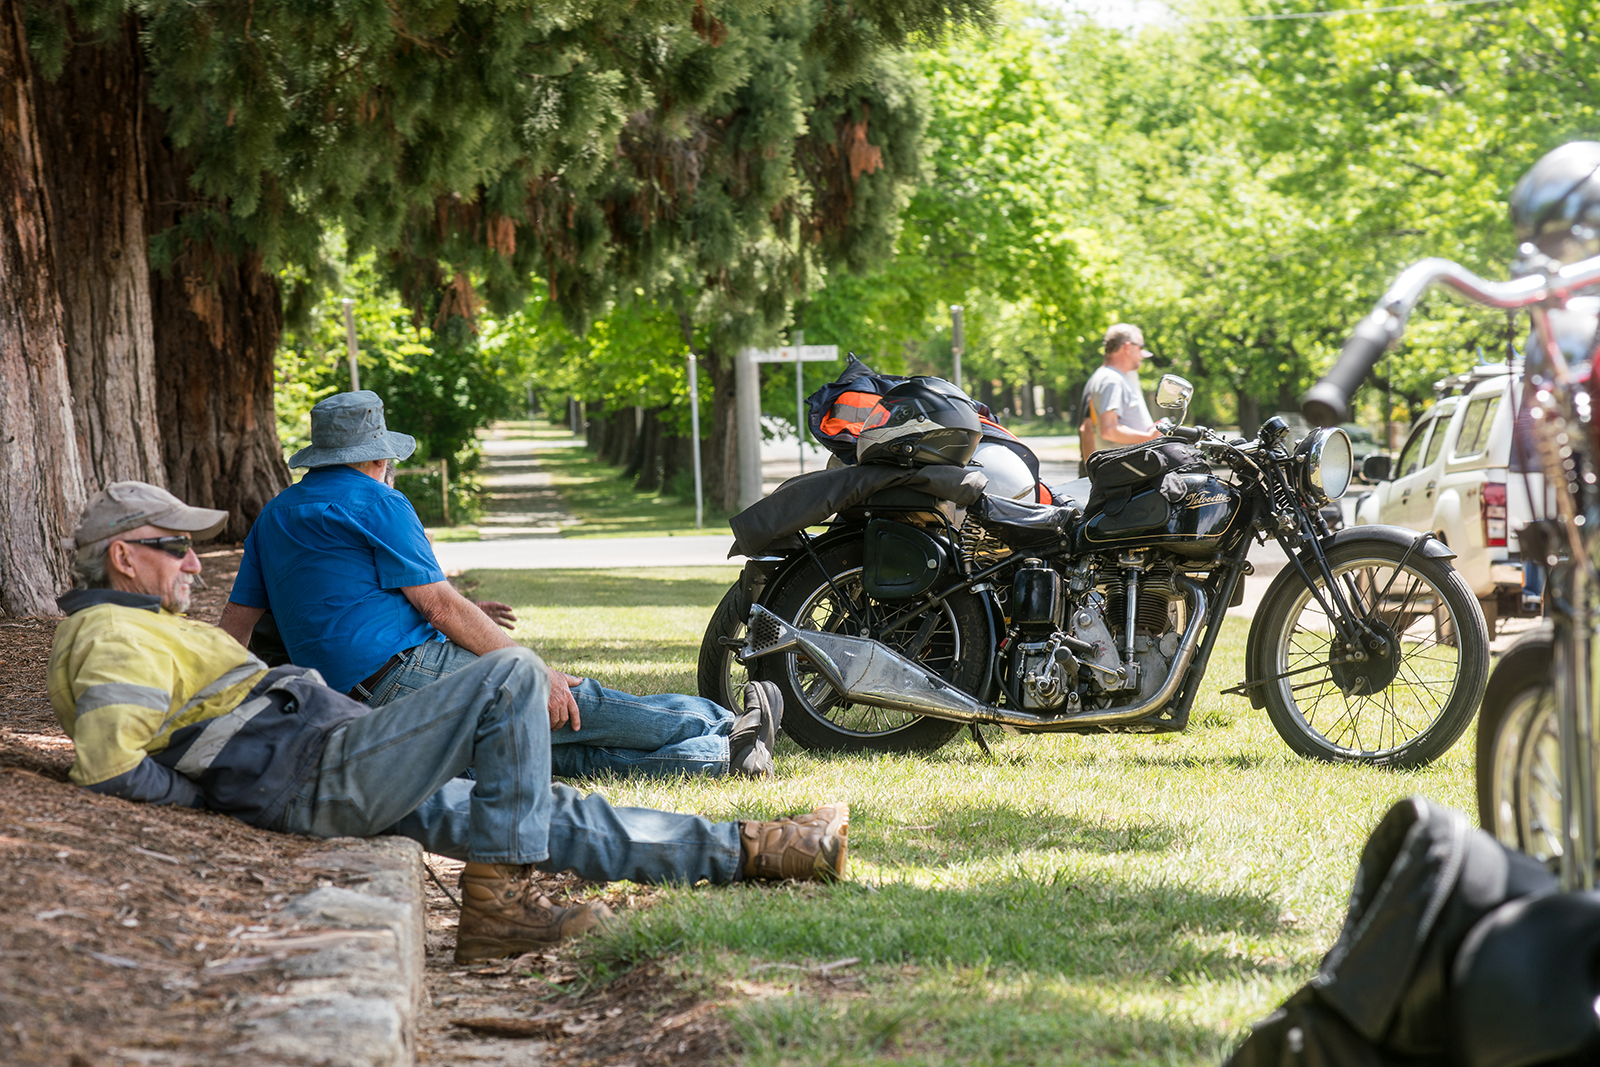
[1115,474]
[1381,995]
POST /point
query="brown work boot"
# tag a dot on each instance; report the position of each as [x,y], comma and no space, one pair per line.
[504,914]
[804,847]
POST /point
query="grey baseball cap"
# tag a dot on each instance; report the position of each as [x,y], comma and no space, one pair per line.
[124,506]
[349,428]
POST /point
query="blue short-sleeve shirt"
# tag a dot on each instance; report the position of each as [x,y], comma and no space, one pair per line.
[328,557]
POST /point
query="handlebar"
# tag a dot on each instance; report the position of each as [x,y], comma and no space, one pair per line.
[1328,402]
[1191,434]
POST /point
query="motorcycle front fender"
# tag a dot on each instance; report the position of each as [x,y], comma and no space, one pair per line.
[1431,547]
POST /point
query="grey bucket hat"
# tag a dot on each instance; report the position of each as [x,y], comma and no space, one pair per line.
[349,428]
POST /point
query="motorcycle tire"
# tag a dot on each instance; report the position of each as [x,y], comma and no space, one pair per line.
[721,676]
[1519,749]
[956,648]
[1416,702]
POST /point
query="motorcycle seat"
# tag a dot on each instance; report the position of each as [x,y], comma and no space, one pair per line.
[1028,526]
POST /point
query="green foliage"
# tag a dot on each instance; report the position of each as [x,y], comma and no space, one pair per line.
[1243,190]
[440,387]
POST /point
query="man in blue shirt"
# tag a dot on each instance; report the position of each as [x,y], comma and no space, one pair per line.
[341,561]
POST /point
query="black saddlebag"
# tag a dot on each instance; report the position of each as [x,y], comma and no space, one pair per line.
[1116,474]
[1028,527]
[1382,993]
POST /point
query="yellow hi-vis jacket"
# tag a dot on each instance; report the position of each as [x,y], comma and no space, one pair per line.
[164,709]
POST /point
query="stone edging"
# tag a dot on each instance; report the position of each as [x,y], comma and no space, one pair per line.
[352,960]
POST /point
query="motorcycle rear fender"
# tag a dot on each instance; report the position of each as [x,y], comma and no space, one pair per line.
[1399,536]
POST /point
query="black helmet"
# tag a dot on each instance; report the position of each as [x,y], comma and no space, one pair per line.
[1555,207]
[919,423]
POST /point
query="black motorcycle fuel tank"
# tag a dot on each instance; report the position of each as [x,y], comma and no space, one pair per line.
[1200,514]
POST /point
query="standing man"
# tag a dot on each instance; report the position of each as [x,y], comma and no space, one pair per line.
[341,561]
[1114,411]
[165,710]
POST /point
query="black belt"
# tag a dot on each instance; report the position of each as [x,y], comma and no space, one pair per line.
[363,690]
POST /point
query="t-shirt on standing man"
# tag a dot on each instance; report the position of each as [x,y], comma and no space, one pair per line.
[1114,411]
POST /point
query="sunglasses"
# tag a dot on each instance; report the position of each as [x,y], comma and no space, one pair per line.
[177,546]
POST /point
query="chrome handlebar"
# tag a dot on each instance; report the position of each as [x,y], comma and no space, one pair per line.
[1328,402]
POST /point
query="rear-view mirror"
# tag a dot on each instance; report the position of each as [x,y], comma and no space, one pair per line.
[1173,393]
[1375,468]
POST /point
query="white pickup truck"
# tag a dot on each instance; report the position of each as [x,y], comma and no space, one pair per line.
[1453,477]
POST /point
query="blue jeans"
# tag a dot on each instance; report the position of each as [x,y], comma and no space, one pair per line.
[394,771]
[619,733]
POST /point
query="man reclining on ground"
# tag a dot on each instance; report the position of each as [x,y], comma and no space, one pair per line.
[341,560]
[171,711]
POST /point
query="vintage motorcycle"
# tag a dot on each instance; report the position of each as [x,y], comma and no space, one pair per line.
[928,606]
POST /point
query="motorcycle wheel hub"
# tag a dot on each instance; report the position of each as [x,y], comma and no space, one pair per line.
[1374,673]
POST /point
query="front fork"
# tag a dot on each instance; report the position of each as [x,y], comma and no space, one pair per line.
[1351,625]
[1577,673]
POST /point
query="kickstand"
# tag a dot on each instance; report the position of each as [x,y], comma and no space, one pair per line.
[977,735]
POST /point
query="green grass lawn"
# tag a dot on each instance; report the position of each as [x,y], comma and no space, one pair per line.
[1099,900]
[609,505]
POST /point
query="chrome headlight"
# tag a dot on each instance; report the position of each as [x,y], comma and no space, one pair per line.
[1325,463]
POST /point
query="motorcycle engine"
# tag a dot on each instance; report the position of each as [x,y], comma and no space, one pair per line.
[1043,674]
[1043,670]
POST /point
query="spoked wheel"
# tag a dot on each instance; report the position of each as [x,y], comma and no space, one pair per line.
[1404,701]
[722,677]
[951,639]
[1519,749]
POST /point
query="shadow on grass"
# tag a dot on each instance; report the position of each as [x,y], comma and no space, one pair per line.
[1084,926]
[1029,1023]
[535,589]
[1238,761]
[982,830]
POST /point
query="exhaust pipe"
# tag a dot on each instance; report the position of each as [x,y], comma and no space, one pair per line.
[868,672]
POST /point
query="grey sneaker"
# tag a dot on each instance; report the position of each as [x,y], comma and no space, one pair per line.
[755,732]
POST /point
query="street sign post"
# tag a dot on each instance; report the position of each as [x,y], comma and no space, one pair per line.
[350,343]
[694,436]
[797,354]
[958,343]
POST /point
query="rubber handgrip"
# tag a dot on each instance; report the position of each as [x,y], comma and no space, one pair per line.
[1190,434]
[1328,402]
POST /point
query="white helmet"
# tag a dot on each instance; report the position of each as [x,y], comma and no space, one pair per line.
[1009,477]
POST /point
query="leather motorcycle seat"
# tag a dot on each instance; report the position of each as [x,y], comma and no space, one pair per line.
[1028,526]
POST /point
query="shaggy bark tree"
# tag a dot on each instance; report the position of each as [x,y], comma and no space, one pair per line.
[41,485]
[217,321]
[90,119]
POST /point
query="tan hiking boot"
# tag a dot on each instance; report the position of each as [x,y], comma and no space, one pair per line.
[804,847]
[504,914]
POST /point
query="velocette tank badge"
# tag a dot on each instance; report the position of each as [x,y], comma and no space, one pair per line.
[1200,500]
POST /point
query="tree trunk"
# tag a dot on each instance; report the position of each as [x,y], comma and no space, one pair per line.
[89,123]
[217,320]
[594,426]
[1287,400]
[620,440]
[677,457]
[41,482]
[720,452]
[651,443]
[636,452]
[1249,413]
